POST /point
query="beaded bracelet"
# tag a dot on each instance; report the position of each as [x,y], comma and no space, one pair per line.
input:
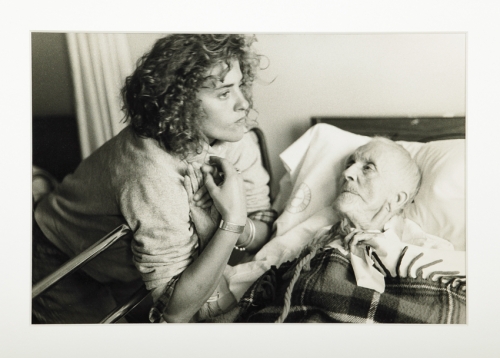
[251,236]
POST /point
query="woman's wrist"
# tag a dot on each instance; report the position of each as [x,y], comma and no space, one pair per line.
[244,236]
[231,227]
[234,219]
[247,238]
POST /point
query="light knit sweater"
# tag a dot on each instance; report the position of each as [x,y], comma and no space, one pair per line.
[132,180]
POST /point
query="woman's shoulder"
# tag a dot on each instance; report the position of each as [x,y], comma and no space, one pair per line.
[138,158]
[143,149]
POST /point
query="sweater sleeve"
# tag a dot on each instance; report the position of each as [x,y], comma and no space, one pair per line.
[245,155]
[155,205]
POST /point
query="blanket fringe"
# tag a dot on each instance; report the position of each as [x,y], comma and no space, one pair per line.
[447,277]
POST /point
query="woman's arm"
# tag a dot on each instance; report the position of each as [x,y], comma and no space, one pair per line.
[252,238]
[261,235]
[199,280]
[245,155]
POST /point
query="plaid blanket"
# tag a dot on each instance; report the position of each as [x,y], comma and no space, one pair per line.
[327,292]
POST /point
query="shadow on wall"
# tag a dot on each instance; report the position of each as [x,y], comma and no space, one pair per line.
[56,146]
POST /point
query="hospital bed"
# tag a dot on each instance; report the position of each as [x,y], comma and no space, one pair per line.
[346,134]
[314,164]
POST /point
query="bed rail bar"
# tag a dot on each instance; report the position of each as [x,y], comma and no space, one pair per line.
[133,301]
[78,261]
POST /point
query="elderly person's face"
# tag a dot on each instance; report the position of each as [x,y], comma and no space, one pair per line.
[370,184]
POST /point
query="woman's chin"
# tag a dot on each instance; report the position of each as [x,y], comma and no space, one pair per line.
[235,136]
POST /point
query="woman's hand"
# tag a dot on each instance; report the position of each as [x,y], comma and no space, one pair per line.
[229,197]
[205,218]
[202,196]
[200,279]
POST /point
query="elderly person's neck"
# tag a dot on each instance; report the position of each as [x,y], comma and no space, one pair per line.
[366,220]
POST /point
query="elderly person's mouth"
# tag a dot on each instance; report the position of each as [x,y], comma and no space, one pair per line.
[349,191]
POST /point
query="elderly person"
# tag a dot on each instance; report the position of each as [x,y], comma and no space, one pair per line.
[373,265]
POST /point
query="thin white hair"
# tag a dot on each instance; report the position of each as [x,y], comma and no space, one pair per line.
[409,172]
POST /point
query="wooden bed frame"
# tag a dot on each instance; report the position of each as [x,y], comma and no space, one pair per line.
[415,129]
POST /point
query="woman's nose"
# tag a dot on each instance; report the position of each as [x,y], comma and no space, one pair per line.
[242,103]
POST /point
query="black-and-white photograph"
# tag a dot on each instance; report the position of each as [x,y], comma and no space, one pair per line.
[249,178]
[250,163]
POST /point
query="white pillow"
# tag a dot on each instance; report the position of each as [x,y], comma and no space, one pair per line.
[439,207]
[316,160]
[313,163]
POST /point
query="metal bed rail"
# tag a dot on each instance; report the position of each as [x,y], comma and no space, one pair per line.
[78,261]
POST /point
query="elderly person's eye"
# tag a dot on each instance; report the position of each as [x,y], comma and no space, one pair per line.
[349,163]
[369,167]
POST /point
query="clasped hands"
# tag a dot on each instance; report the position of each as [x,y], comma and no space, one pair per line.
[214,191]
[386,244]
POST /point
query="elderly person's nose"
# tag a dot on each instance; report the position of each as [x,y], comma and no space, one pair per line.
[350,173]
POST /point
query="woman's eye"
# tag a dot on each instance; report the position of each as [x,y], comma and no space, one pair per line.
[369,167]
[224,95]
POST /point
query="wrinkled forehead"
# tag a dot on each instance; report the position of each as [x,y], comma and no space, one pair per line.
[372,148]
[379,152]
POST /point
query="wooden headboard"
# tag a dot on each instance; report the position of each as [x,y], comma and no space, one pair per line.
[415,129]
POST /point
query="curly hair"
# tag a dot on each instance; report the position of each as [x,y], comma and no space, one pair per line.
[159,98]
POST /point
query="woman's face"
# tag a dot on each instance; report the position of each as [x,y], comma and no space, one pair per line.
[224,104]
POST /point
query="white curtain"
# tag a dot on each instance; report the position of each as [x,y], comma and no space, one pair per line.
[99,64]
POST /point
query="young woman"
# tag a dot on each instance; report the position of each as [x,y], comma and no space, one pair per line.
[187,100]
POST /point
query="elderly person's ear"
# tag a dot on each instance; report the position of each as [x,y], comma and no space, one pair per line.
[399,202]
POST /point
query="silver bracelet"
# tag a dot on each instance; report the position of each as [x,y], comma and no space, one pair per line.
[224,225]
[251,236]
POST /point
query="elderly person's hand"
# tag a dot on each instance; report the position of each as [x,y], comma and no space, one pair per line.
[387,245]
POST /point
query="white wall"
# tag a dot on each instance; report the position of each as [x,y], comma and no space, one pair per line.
[141,43]
[350,74]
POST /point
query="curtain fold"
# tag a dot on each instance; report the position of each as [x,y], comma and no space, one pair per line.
[99,65]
